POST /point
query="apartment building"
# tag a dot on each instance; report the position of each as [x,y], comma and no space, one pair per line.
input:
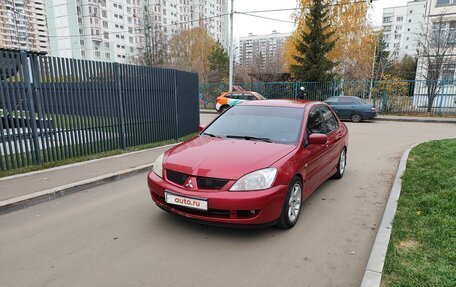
[440,14]
[172,16]
[402,27]
[262,53]
[23,25]
[107,30]
[116,30]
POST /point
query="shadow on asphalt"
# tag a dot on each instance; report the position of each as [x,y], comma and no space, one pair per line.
[186,226]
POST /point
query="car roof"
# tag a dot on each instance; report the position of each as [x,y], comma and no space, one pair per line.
[278,103]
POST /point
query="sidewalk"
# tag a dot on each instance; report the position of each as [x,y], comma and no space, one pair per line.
[386,118]
[62,178]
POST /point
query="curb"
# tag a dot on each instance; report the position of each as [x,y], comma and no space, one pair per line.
[82,163]
[442,121]
[55,192]
[208,112]
[373,273]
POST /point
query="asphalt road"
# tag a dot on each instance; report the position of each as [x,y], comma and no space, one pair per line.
[113,235]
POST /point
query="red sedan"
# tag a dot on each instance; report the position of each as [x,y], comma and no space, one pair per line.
[252,166]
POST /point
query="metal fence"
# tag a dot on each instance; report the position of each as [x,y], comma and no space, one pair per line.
[55,108]
[390,97]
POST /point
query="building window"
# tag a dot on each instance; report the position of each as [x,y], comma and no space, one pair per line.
[398,28]
[398,36]
[448,73]
[108,56]
[83,53]
[400,19]
[411,11]
[445,2]
[104,13]
[106,35]
[81,42]
[105,24]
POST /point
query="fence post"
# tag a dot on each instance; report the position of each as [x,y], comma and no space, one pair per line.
[176,104]
[296,91]
[28,75]
[441,96]
[123,140]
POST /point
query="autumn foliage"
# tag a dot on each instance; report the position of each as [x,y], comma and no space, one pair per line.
[354,50]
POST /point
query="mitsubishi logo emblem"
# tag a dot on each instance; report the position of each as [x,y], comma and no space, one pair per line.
[189,184]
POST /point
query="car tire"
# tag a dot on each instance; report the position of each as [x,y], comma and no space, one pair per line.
[341,165]
[292,205]
[224,108]
[356,118]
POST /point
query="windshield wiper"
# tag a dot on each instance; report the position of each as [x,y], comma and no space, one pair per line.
[250,138]
[211,135]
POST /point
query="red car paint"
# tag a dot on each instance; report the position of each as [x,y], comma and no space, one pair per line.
[230,159]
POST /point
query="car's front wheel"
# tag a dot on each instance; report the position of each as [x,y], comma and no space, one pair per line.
[292,205]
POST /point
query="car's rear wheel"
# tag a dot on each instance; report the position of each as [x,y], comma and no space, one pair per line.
[341,165]
[356,118]
[292,205]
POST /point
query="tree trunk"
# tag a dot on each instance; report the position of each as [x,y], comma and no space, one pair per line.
[430,102]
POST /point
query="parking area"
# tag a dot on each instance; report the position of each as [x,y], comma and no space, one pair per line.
[113,235]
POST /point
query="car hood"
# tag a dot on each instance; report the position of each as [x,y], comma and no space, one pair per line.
[223,158]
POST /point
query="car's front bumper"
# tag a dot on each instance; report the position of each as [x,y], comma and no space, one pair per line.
[251,208]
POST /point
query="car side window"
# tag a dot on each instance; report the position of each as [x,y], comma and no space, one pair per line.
[251,98]
[331,101]
[330,121]
[228,96]
[346,101]
[315,122]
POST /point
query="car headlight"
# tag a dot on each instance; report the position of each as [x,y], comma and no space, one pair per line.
[158,166]
[257,180]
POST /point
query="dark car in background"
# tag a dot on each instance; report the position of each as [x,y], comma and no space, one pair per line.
[352,108]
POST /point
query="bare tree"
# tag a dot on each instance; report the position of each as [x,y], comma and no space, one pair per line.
[436,44]
[155,52]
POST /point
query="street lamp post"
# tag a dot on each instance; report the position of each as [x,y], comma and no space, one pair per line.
[231,45]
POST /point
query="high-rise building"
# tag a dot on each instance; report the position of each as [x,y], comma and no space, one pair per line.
[172,16]
[23,25]
[402,27]
[263,53]
[96,29]
[117,30]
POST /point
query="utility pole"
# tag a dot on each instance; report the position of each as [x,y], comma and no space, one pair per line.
[373,68]
[231,45]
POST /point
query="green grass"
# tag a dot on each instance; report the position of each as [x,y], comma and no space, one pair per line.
[422,249]
[46,165]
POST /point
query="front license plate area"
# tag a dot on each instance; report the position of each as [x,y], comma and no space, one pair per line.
[195,203]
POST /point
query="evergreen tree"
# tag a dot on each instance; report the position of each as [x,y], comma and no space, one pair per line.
[219,62]
[313,46]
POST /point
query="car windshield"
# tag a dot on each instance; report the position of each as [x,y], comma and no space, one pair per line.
[259,96]
[268,124]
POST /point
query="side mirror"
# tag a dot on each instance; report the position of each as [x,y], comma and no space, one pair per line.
[318,139]
[201,128]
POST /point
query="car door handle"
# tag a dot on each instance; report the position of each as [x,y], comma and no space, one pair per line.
[339,135]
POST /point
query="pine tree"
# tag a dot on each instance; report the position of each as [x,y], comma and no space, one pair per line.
[313,47]
[218,64]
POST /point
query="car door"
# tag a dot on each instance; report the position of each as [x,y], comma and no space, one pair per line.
[334,143]
[314,156]
[345,107]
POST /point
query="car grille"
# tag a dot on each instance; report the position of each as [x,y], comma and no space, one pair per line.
[202,182]
[176,177]
[211,183]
